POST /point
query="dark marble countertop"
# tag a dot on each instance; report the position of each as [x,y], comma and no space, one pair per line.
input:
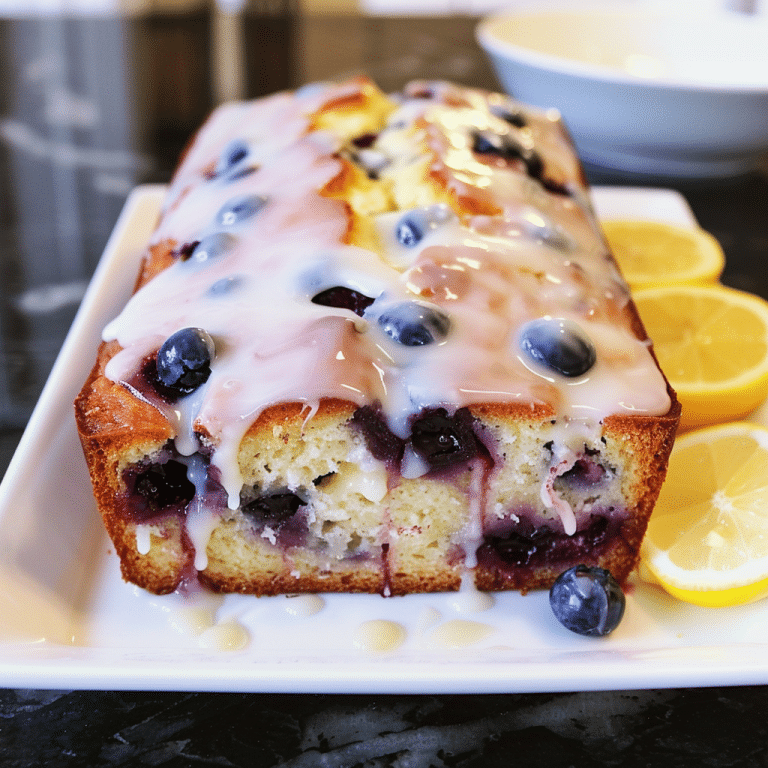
[90,108]
[633,729]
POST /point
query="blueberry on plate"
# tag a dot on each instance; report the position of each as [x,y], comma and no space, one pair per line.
[184,360]
[239,209]
[414,323]
[559,345]
[411,228]
[587,600]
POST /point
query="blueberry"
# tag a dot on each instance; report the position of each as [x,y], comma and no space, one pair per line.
[365,140]
[588,601]
[508,148]
[414,323]
[559,345]
[518,549]
[239,209]
[513,117]
[547,232]
[184,251]
[409,232]
[164,485]
[443,440]
[225,286]
[488,143]
[210,247]
[343,298]
[411,229]
[241,173]
[231,158]
[274,508]
[383,444]
[184,360]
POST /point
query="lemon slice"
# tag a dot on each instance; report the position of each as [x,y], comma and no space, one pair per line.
[652,253]
[712,344]
[707,540]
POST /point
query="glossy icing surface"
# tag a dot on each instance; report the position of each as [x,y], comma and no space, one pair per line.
[258,234]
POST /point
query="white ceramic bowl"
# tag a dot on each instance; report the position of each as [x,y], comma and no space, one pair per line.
[643,88]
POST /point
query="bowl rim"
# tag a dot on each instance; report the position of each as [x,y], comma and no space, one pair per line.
[486,33]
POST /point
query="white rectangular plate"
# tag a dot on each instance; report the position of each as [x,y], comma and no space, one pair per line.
[67,620]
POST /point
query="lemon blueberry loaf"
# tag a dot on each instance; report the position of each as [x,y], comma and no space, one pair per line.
[378,344]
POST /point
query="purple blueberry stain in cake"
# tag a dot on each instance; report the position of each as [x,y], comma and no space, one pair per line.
[184,360]
[276,507]
[341,297]
[414,323]
[558,345]
[277,519]
[383,444]
[521,545]
[239,209]
[444,441]
[587,601]
[585,474]
[156,489]
[145,384]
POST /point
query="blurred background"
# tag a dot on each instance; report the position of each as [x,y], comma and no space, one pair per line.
[98,96]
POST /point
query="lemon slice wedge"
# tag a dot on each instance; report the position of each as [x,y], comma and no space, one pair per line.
[707,540]
[652,253]
[712,344]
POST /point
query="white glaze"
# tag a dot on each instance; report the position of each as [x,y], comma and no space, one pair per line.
[379,636]
[227,636]
[303,605]
[459,633]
